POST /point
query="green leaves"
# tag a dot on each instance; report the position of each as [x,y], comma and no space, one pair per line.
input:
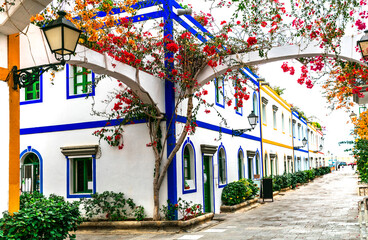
[238,192]
[112,206]
[41,218]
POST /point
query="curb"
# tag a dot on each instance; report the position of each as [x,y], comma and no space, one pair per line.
[149,225]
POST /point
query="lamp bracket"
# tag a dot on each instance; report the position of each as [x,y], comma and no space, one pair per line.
[27,76]
[238,132]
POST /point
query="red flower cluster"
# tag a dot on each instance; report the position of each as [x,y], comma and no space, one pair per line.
[360,24]
[286,68]
[251,41]
[172,47]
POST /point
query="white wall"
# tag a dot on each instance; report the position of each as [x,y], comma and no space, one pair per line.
[3,51]
[4,146]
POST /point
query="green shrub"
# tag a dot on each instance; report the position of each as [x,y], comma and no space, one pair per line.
[310,174]
[111,205]
[41,218]
[249,184]
[234,193]
[253,187]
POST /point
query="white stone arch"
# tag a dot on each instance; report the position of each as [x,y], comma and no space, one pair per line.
[282,53]
[151,89]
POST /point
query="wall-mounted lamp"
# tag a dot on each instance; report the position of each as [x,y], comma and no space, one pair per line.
[363,45]
[252,118]
[62,37]
[304,142]
[185,11]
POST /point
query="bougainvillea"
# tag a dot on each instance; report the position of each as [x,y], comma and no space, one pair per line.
[180,58]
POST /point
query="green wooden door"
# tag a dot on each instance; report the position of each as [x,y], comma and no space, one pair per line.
[207,184]
[250,168]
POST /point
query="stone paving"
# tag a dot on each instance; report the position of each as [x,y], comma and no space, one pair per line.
[323,209]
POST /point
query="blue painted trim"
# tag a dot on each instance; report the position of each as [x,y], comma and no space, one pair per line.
[172,191]
[83,95]
[240,149]
[38,154]
[189,28]
[40,100]
[74,126]
[146,16]
[218,164]
[215,128]
[301,150]
[139,5]
[223,93]
[188,142]
[68,186]
[249,75]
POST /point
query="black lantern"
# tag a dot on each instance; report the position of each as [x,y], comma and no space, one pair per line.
[252,119]
[304,142]
[320,147]
[62,37]
[353,116]
[363,45]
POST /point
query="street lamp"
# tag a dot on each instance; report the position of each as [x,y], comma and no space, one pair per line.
[363,45]
[353,116]
[304,142]
[252,118]
[62,37]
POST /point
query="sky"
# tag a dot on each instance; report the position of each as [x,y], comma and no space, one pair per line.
[312,103]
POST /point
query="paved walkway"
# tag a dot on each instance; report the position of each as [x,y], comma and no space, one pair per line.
[324,209]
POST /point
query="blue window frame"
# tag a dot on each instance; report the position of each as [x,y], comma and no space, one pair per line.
[222,166]
[81,176]
[189,170]
[220,92]
[80,82]
[238,110]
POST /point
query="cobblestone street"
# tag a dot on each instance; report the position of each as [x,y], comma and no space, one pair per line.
[324,209]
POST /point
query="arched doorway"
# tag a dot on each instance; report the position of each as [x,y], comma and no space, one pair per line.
[30,173]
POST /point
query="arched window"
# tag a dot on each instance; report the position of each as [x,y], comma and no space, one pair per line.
[255,104]
[187,164]
[222,166]
[258,167]
[220,92]
[266,165]
[241,164]
[283,122]
[285,166]
[30,173]
[189,171]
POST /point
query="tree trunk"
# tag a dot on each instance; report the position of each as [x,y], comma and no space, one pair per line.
[156,203]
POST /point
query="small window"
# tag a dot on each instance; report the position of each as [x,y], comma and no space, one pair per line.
[255,104]
[274,120]
[264,118]
[266,166]
[290,126]
[220,92]
[80,82]
[32,93]
[222,167]
[283,123]
[82,175]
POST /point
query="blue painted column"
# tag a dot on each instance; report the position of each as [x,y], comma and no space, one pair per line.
[170,106]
